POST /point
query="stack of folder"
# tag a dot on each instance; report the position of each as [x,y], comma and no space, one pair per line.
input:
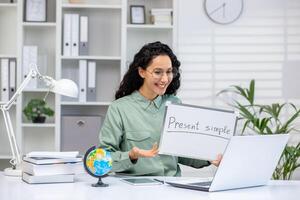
[86,73]
[161,16]
[51,167]
[8,78]
[75,35]
[29,60]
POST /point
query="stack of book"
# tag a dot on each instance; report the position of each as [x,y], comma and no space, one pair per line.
[161,16]
[51,167]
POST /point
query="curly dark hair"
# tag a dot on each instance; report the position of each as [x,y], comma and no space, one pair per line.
[133,81]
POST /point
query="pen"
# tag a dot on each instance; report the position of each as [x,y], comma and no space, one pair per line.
[161,181]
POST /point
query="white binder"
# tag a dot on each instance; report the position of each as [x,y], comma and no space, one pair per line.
[30,54]
[67,35]
[12,77]
[83,42]
[4,79]
[75,35]
[82,80]
[70,72]
[91,86]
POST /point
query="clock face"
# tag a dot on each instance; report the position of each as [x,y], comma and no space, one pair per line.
[223,11]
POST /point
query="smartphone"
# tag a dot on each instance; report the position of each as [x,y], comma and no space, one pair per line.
[141,181]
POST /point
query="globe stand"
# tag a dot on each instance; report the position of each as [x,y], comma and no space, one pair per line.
[97,162]
[100,184]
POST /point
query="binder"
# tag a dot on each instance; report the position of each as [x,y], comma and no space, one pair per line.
[82,80]
[83,42]
[30,55]
[12,77]
[91,84]
[75,35]
[67,35]
[4,79]
[42,66]
[70,72]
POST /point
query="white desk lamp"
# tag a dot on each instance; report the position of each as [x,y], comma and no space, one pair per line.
[63,87]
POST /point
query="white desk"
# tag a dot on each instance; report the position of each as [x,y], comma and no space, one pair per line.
[12,188]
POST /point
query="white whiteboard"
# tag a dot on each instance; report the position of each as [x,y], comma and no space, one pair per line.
[196,132]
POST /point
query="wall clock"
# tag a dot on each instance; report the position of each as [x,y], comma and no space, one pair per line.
[223,11]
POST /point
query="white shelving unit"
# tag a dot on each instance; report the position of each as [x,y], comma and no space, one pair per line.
[139,34]
[44,125]
[91,6]
[113,41]
[43,35]
[91,58]
[37,24]
[8,49]
[148,26]
[104,48]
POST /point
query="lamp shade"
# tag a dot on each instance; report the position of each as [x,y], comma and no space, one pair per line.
[65,87]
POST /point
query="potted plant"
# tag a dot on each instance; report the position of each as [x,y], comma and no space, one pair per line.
[36,111]
[268,119]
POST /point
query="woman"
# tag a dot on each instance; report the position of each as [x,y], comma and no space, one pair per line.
[131,129]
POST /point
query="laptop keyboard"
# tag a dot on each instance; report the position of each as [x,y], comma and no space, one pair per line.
[207,183]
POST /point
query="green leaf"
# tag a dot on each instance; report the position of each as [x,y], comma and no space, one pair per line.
[286,125]
[245,126]
[251,92]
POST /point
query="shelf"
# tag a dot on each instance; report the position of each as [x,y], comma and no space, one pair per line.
[148,26]
[5,156]
[36,125]
[91,57]
[103,103]
[7,56]
[95,6]
[39,24]
[8,5]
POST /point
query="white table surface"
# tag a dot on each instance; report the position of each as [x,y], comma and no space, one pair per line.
[12,188]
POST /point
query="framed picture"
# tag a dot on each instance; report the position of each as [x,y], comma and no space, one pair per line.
[137,14]
[36,10]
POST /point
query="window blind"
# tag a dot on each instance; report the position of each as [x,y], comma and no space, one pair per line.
[256,46]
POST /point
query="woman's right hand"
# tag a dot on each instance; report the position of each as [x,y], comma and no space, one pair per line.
[136,152]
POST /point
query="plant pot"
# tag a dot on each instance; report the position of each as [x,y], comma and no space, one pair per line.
[40,119]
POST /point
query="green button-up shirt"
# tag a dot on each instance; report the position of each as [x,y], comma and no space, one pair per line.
[135,121]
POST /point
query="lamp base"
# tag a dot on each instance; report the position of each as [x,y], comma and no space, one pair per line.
[12,172]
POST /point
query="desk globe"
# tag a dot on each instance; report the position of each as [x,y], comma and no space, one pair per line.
[97,162]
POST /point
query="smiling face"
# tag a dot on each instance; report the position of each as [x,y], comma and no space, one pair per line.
[157,77]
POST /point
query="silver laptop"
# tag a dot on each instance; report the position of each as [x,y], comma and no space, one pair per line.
[248,161]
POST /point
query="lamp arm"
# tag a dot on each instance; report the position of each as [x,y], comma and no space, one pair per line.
[16,158]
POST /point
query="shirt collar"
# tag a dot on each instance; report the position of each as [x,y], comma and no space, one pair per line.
[145,103]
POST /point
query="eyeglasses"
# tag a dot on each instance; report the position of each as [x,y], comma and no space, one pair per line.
[159,73]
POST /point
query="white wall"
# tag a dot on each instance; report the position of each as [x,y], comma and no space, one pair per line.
[256,46]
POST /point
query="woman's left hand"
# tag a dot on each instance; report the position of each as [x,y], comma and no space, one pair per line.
[217,161]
